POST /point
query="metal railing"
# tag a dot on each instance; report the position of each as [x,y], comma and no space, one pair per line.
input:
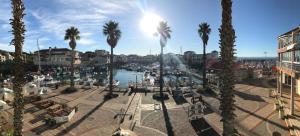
[288,65]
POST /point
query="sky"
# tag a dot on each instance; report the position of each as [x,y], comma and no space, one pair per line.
[257,24]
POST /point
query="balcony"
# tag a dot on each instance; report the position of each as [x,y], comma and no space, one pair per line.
[288,65]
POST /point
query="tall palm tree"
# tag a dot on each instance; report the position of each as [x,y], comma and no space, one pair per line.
[227,39]
[164,32]
[18,30]
[204,32]
[72,34]
[113,33]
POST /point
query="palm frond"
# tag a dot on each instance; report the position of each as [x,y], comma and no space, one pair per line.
[204,31]
[113,33]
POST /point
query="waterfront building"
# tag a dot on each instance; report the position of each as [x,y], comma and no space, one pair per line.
[133,58]
[101,57]
[288,65]
[2,58]
[87,58]
[188,55]
[120,59]
[56,57]
[150,59]
[5,55]
[215,69]
[192,58]
[101,53]
[9,56]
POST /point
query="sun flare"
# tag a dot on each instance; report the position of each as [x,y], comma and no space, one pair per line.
[149,23]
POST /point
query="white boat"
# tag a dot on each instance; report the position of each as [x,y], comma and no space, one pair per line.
[7,94]
[39,77]
[115,83]
[148,80]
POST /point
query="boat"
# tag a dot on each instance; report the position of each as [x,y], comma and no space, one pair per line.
[115,83]
[48,78]
[148,80]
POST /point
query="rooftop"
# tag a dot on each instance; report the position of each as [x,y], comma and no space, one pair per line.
[289,32]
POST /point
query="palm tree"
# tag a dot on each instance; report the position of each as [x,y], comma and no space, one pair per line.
[204,32]
[164,34]
[113,33]
[227,39]
[18,30]
[72,34]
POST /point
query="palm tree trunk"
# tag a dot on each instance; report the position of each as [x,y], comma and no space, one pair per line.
[227,39]
[72,68]
[18,32]
[204,66]
[161,71]
[111,70]
[18,96]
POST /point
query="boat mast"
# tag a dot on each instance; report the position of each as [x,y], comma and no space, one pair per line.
[39,57]
[39,70]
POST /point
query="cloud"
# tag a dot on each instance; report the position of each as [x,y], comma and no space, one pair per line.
[49,21]
[86,41]
[87,15]
[7,47]
[86,34]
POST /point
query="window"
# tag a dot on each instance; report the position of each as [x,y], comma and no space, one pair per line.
[286,56]
[297,56]
[297,38]
[68,59]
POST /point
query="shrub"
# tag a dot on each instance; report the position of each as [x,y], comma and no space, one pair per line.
[70,90]
[157,96]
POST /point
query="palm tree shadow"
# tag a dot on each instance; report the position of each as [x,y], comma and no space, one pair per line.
[75,124]
[251,97]
[262,118]
[167,119]
[42,128]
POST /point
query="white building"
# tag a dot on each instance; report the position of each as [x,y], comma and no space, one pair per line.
[56,57]
[2,58]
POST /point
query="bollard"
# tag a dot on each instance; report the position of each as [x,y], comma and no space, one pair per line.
[281,113]
[276,105]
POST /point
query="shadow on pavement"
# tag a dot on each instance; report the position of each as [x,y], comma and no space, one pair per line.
[202,128]
[256,82]
[262,118]
[75,124]
[247,96]
[179,100]
[42,128]
[167,119]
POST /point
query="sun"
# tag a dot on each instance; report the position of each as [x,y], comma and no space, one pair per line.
[149,23]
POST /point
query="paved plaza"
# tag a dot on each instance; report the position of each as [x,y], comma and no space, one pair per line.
[144,116]
[97,116]
[255,114]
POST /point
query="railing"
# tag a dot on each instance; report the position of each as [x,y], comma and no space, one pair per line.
[288,65]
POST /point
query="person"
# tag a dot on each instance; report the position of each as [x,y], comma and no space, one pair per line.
[201,100]
[193,100]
